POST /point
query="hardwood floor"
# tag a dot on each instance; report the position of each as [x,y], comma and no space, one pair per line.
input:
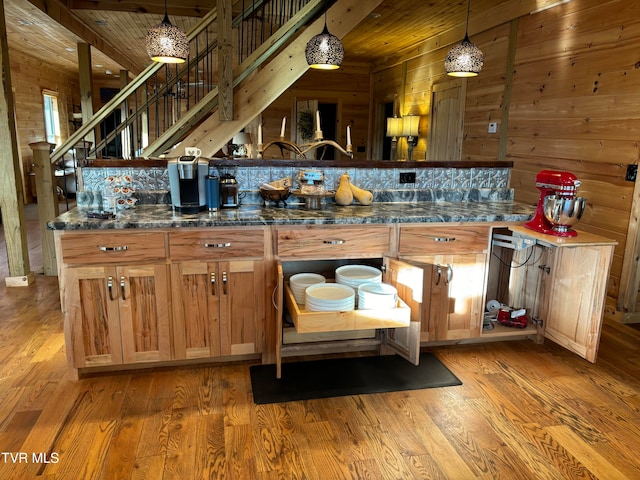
[524,411]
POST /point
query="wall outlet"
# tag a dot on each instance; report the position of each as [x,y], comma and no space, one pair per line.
[407,177]
[632,172]
[493,127]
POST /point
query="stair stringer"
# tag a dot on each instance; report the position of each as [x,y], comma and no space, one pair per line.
[256,92]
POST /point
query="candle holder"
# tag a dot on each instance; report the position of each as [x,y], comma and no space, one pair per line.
[283,145]
[320,143]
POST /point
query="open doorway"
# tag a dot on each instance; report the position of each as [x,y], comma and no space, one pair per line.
[328,122]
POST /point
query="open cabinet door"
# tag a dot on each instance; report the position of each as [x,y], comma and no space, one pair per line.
[279,315]
[409,281]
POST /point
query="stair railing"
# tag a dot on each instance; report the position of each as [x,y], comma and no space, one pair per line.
[164,98]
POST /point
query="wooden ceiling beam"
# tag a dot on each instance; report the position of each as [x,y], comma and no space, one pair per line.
[183,8]
[65,17]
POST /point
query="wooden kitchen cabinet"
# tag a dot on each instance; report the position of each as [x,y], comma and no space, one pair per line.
[563,284]
[218,305]
[454,261]
[115,313]
[397,330]
[321,247]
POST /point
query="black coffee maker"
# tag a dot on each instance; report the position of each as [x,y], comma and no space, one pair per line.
[229,188]
[187,181]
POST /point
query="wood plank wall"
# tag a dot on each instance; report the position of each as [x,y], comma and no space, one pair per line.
[348,87]
[29,77]
[573,105]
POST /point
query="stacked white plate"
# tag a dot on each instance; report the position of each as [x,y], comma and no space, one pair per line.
[372,296]
[329,297]
[356,275]
[299,283]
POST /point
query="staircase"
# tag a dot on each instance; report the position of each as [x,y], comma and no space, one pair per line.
[170,104]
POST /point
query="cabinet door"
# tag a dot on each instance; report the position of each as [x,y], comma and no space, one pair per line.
[454,293]
[196,309]
[574,297]
[408,280]
[92,324]
[144,313]
[218,308]
[242,306]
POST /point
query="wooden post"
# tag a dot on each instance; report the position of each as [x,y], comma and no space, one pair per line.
[86,92]
[11,197]
[46,190]
[225,61]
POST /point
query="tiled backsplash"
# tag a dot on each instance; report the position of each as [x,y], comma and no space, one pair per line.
[440,183]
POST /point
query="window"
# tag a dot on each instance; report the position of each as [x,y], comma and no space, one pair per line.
[51,117]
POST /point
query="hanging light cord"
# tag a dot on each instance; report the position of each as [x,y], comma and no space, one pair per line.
[466,28]
[166,12]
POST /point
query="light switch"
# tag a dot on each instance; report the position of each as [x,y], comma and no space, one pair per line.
[493,127]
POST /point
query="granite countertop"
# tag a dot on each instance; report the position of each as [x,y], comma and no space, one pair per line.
[162,216]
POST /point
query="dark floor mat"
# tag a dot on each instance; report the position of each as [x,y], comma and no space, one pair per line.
[347,376]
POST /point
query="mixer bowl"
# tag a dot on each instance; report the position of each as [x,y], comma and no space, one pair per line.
[563,212]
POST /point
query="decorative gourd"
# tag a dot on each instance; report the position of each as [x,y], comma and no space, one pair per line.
[344,195]
[365,197]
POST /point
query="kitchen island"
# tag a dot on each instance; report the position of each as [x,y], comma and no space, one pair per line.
[152,287]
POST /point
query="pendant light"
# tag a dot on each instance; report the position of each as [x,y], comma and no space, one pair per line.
[166,43]
[464,59]
[324,51]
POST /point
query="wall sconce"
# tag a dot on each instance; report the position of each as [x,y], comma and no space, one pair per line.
[410,125]
[394,130]
[464,59]
[166,43]
[240,141]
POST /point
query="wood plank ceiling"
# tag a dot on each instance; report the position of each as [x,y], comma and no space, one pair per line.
[116,28]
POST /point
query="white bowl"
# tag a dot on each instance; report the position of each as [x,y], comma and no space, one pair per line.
[355,275]
[299,283]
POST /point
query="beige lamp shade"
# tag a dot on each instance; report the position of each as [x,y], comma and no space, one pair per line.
[166,43]
[394,127]
[410,125]
[241,138]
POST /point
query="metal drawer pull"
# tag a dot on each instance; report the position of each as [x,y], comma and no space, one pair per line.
[110,287]
[122,284]
[334,242]
[444,239]
[217,245]
[120,248]
[224,283]
[213,284]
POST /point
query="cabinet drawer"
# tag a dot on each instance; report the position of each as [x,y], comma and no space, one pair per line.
[333,241]
[215,244]
[110,247]
[423,240]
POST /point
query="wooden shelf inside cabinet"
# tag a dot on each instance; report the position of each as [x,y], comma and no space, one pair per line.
[310,322]
[503,331]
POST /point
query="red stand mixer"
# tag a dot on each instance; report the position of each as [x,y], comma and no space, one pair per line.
[558,207]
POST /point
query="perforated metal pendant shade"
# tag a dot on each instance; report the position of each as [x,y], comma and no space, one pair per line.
[167,43]
[464,59]
[324,51]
